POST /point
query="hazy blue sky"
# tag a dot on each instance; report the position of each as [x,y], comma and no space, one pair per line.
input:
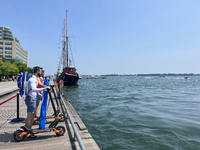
[111,36]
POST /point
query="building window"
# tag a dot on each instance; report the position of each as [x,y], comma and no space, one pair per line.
[1,56]
[8,40]
[1,43]
[8,43]
[6,32]
[7,52]
[8,56]
[1,52]
[8,48]
[1,47]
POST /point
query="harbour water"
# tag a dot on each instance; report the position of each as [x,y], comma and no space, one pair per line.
[140,113]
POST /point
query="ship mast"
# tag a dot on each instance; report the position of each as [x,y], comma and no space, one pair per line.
[67,41]
[64,48]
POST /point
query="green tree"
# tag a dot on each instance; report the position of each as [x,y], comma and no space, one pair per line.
[30,70]
[1,67]
[13,68]
[21,66]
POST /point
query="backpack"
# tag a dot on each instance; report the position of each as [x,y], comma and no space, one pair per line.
[22,83]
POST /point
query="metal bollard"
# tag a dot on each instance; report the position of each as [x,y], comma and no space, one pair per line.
[17,119]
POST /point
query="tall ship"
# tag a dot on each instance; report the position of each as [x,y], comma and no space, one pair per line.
[69,76]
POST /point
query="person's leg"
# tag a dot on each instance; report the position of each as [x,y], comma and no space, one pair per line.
[31,105]
[29,120]
[37,104]
[39,98]
[29,123]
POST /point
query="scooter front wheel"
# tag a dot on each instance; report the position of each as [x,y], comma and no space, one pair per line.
[62,117]
[62,130]
[17,137]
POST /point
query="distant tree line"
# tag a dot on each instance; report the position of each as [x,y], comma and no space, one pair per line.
[10,68]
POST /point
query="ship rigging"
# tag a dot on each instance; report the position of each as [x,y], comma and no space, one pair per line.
[69,74]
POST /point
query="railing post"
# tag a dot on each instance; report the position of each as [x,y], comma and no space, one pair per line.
[75,139]
[17,119]
[17,105]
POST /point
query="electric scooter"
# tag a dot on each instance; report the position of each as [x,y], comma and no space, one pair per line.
[19,135]
[61,116]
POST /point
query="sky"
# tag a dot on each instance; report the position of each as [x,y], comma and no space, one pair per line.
[109,36]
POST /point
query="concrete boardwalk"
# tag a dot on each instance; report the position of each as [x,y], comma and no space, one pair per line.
[8,84]
[47,140]
[7,87]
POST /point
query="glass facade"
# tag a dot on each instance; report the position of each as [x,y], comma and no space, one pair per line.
[7,39]
[8,56]
[20,59]
[1,52]
[8,48]
[1,56]
[1,47]
[8,52]
[1,43]
[19,54]
[8,43]
[17,60]
[5,32]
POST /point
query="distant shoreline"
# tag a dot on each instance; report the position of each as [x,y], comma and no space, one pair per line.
[156,74]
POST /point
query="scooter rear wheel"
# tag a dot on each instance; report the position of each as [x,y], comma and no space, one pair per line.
[62,117]
[17,137]
[62,130]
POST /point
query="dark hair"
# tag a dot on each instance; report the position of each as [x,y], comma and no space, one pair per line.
[37,68]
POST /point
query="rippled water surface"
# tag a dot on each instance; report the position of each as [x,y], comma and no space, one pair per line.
[140,113]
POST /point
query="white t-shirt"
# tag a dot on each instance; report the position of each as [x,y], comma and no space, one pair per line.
[32,87]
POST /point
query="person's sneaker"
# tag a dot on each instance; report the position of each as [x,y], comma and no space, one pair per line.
[25,128]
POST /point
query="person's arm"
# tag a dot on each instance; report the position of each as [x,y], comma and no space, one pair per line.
[33,87]
[39,82]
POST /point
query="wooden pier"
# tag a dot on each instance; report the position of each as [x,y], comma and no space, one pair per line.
[48,140]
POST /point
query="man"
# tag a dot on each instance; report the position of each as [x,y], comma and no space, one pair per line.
[39,94]
[31,98]
[42,75]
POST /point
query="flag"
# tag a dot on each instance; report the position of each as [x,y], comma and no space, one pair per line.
[44,106]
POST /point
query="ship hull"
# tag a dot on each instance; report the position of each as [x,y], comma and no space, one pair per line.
[70,80]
